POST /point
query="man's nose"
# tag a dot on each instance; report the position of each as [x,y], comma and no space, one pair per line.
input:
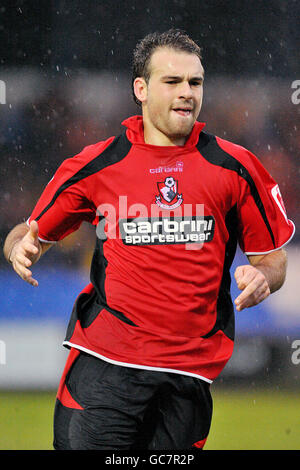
[185,90]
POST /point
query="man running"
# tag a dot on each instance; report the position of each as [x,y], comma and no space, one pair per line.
[170,202]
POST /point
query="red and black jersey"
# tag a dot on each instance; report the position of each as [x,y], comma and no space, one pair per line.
[168,220]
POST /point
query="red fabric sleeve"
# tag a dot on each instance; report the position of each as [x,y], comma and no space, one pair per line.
[263,222]
[62,207]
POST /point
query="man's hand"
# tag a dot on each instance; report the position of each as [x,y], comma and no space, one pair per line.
[25,253]
[254,285]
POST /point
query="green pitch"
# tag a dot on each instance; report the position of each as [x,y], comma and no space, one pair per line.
[259,420]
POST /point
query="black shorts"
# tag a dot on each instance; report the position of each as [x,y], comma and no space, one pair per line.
[123,408]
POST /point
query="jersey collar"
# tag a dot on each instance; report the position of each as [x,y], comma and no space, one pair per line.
[135,131]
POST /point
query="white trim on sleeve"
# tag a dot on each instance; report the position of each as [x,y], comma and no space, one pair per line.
[275,249]
[42,239]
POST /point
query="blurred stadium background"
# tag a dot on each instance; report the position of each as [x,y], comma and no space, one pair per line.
[66,68]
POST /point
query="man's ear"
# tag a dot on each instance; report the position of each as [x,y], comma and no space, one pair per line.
[140,89]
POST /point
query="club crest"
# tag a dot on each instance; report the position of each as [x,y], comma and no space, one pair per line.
[168,197]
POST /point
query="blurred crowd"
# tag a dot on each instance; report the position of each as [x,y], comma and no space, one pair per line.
[47,120]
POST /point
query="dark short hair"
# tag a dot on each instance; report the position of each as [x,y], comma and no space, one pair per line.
[173,38]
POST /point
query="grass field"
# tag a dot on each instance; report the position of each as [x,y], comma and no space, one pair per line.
[260,420]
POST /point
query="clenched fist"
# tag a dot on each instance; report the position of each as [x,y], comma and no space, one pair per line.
[254,285]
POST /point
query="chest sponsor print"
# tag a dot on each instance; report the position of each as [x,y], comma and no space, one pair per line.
[167,231]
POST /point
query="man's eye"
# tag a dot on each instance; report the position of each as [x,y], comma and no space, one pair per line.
[171,82]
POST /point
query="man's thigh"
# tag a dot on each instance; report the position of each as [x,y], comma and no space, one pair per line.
[109,403]
[182,416]
[110,407]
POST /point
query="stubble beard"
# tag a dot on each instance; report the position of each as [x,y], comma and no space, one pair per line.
[170,126]
[179,131]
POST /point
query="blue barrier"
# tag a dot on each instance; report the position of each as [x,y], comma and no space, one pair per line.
[53,299]
[59,287]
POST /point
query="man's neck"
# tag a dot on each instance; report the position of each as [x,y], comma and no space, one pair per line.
[154,136]
[163,141]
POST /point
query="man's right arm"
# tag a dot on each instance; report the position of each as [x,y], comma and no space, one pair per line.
[22,249]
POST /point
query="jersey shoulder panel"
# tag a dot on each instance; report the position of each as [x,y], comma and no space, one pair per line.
[247,162]
[92,159]
[73,164]
[228,155]
[260,206]
[66,200]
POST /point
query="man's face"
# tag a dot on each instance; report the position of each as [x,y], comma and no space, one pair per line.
[173,95]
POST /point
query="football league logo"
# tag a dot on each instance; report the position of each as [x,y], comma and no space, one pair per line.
[168,197]
[275,191]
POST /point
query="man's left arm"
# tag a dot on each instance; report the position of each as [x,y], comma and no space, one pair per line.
[264,275]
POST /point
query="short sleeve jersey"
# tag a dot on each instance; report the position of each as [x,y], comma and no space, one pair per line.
[167,222]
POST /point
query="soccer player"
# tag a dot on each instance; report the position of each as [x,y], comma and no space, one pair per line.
[169,201]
